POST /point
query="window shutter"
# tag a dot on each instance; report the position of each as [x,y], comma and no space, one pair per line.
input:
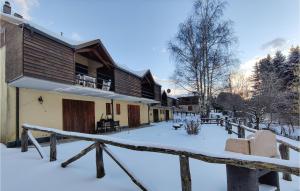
[108,109]
[118,109]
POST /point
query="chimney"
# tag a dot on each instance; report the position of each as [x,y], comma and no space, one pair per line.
[7,8]
[18,15]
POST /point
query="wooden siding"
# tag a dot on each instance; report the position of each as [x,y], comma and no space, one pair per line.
[127,84]
[157,92]
[47,59]
[192,100]
[14,50]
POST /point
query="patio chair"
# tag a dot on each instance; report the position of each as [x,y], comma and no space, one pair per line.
[106,85]
[262,143]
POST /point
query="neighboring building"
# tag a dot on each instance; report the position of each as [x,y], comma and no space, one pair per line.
[49,81]
[165,110]
[189,103]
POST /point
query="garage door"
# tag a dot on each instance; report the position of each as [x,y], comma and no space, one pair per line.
[78,116]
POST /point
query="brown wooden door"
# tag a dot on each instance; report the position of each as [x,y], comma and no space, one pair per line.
[167,115]
[155,115]
[79,116]
[133,115]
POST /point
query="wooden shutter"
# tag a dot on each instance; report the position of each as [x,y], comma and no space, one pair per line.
[118,106]
[108,109]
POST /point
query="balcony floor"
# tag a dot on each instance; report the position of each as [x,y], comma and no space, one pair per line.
[38,84]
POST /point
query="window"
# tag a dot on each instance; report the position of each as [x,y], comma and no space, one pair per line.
[108,108]
[190,108]
[118,106]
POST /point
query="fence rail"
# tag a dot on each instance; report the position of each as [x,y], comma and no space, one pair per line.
[235,159]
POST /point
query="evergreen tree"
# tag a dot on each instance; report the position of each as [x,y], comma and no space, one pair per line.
[279,63]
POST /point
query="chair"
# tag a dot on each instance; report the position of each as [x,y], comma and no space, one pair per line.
[106,85]
[262,143]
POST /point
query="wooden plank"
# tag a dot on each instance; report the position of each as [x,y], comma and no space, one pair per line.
[99,160]
[24,140]
[235,159]
[186,182]
[36,144]
[53,142]
[78,156]
[125,169]
[285,155]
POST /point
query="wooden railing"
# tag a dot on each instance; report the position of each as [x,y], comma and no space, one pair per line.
[100,141]
[285,143]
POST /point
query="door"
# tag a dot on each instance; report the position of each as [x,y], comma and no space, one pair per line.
[78,116]
[155,115]
[133,115]
[167,115]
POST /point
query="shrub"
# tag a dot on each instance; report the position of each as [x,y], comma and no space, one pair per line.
[192,127]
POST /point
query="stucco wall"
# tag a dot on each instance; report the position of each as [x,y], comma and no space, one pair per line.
[49,113]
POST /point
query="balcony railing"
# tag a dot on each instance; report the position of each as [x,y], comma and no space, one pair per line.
[92,82]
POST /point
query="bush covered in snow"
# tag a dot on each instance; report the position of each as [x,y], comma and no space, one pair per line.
[192,127]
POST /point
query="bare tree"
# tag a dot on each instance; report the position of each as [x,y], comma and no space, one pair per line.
[202,49]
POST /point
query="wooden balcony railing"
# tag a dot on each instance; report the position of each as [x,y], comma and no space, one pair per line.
[92,82]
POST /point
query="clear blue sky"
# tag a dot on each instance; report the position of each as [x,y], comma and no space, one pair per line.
[136,32]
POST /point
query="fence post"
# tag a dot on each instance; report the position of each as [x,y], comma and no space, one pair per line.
[24,140]
[229,127]
[53,147]
[241,131]
[99,161]
[186,183]
[226,123]
[285,155]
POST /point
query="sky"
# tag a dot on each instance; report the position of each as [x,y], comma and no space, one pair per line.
[136,32]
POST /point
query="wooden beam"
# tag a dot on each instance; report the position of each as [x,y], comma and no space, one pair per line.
[186,182]
[53,142]
[84,50]
[36,144]
[24,140]
[99,161]
[78,156]
[122,166]
[285,155]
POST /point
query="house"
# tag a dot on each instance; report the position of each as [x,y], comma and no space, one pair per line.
[165,110]
[50,81]
[189,103]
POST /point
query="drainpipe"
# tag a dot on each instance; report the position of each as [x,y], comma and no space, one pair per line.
[112,109]
[148,113]
[17,143]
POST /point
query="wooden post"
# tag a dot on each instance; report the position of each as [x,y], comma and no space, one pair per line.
[53,147]
[99,161]
[186,183]
[229,128]
[24,140]
[285,155]
[241,131]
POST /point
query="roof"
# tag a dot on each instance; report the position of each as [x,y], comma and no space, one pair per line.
[68,42]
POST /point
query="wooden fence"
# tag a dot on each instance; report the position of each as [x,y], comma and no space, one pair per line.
[284,146]
[100,142]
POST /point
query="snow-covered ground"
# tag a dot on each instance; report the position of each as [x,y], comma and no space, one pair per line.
[26,171]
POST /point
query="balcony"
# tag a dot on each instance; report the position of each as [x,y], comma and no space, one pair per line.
[92,82]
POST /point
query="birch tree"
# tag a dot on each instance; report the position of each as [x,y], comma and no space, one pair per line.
[202,50]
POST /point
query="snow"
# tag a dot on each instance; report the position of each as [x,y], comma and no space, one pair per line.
[157,171]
